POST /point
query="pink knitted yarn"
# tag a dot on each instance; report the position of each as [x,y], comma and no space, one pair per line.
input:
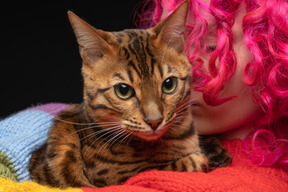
[52,108]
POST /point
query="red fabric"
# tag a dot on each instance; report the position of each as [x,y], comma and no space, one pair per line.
[241,175]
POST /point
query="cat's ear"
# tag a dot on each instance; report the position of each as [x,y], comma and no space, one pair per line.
[92,42]
[171,30]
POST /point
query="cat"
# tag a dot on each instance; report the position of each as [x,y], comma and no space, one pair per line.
[135,114]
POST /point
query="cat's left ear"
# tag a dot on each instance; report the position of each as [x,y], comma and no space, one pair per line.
[171,30]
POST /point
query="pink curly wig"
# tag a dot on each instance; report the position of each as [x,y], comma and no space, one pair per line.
[265,28]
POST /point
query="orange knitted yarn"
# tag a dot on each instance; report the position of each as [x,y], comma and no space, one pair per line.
[240,176]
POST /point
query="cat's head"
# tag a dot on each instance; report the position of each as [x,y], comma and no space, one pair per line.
[137,81]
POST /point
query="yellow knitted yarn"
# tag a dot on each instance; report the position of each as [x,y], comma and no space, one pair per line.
[7,185]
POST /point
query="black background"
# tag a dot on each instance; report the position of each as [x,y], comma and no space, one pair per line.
[40,62]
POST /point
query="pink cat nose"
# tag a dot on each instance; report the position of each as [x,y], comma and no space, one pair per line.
[154,124]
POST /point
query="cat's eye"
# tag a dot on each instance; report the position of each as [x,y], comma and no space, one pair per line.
[124,91]
[169,85]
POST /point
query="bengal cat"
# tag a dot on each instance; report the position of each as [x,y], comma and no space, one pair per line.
[135,115]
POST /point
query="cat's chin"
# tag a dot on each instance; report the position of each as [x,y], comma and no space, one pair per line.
[152,135]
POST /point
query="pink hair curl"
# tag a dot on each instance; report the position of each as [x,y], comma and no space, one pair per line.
[265,28]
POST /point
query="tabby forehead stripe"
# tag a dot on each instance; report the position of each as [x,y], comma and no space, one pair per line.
[131,63]
[169,69]
[160,70]
[143,63]
[130,76]
[138,51]
[118,75]
[153,61]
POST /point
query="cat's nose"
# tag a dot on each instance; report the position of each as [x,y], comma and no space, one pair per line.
[154,124]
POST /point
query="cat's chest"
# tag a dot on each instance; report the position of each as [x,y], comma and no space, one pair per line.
[110,165]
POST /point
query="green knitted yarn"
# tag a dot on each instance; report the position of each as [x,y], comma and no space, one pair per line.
[6,168]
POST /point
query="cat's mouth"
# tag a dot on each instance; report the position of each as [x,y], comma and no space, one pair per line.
[152,135]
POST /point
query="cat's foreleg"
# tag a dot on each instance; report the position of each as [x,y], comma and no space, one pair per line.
[193,162]
[217,155]
[66,162]
[59,162]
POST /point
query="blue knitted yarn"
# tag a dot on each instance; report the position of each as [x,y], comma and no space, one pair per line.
[21,134]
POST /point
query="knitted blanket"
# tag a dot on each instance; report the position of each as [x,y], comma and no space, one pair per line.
[23,132]
[20,135]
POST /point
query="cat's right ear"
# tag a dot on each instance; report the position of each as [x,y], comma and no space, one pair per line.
[92,43]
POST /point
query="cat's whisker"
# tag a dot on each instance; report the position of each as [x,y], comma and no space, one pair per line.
[181,115]
[182,109]
[131,138]
[107,116]
[88,136]
[123,139]
[107,123]
[73,123]
[178,120]
[111,132]
[114,139]
[96,126]
[189,101]
[126,137]
[161,140]
[108,130]
[180,126]
[173,128]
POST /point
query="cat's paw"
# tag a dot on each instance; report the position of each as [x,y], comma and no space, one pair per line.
[221,158]
[217,155]
[193,162]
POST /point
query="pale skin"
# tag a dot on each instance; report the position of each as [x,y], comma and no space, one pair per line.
[235,118]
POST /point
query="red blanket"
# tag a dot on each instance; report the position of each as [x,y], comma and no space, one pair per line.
[240,176]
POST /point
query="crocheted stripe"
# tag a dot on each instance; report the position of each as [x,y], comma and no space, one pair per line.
[10,186]
[20,135]
[51,108]
[7,169]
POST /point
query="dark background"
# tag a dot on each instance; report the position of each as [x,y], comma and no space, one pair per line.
[40,62]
